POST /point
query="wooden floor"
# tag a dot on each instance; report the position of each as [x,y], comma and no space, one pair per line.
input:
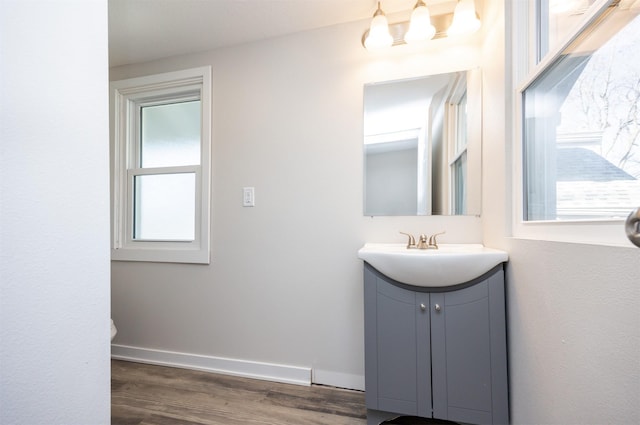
[154,395]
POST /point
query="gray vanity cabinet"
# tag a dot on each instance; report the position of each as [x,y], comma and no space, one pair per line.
[436,354]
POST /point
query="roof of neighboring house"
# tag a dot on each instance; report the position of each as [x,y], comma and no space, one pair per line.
[588,186]
[614,199]
[581,164]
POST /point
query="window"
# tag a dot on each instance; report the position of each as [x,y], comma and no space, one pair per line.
[556,19]
[458,161]
[161,173]
[580,123]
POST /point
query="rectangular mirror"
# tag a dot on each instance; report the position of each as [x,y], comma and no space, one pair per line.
[422,146]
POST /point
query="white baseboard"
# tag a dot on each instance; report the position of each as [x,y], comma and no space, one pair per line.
[337,379]
[248,369]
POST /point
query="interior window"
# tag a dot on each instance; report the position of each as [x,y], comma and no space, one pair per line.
[162,167]
[459,158]
[165,200]
[581,125]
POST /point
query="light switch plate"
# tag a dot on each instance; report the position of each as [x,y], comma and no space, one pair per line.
[248,197]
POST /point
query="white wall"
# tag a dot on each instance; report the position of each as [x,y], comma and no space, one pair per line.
[54,240]
[573,309]
[285,284]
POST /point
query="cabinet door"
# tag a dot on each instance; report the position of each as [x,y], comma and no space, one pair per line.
[396,342]
[468,328]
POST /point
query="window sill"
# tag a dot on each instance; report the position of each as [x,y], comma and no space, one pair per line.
[589,232]
[190,256]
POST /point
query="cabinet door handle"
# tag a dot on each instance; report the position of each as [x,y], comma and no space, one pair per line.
[423,307]
[438,308]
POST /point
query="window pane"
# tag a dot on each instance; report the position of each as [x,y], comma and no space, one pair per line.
[164,207]
[582,128]
[459,185]
[557,19]
[461,124]
[170,135]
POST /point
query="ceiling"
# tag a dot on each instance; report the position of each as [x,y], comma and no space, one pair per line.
[144,30]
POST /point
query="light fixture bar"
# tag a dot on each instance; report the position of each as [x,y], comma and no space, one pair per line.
[399,29]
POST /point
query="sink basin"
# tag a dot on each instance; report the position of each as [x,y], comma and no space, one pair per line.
[449,265]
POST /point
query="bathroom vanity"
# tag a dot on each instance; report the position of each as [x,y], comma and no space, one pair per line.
[436,351]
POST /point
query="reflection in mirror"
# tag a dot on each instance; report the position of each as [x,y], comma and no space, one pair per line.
[421,149]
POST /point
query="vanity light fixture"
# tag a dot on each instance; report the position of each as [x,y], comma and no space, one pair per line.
[378,36]
[422,26]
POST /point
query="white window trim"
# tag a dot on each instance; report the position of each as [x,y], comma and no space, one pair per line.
[124,95]
[458,91]
[599,232]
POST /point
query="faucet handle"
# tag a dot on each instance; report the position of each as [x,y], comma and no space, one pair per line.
[432,239]
[411,243]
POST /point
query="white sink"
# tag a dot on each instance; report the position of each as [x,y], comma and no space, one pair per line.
[448,265]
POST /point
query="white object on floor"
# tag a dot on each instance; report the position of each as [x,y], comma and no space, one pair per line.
[114,331]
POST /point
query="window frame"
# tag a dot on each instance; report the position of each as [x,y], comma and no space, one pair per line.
[526,68]
[127,98]
[457,129]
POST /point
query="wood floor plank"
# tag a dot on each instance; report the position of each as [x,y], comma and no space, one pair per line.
[322,400]
[164,420]
[155,395]
[125,415]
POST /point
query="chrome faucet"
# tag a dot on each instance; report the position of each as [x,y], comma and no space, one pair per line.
[424,242]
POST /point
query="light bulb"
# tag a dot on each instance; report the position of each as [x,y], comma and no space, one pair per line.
[464,19]
[379,36]
[420,27]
